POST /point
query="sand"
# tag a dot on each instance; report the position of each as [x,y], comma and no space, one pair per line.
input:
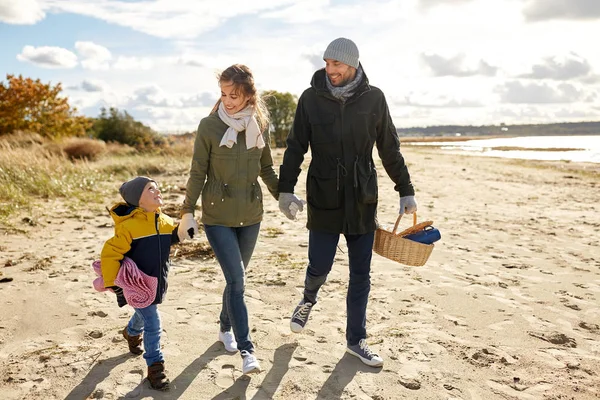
[507,306]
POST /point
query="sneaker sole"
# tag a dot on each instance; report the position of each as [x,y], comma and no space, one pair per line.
[364,360]
[255,370]
[228,350]
[296,328]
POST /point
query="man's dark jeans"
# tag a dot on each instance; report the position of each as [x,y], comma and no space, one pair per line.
[321,252]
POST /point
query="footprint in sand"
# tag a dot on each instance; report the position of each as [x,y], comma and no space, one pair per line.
[555,338]
[226,376]
[183,314]
[129,386]
[529,390]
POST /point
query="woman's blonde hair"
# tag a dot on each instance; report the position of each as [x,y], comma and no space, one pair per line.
[243,81]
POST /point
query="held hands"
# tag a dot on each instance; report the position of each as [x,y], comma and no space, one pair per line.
[290,204]
[121,301]
[408,205]
[188,227]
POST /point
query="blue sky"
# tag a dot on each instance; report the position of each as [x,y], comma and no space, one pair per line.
[437,61]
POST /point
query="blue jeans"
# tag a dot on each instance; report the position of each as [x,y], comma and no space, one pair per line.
[147,321]
[321,252]
[233,248]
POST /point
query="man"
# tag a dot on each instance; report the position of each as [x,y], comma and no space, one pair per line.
[341,117]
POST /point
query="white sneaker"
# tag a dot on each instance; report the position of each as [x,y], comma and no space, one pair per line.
[250,364]
[228,340]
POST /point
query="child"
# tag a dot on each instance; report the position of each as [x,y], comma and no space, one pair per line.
[143,234]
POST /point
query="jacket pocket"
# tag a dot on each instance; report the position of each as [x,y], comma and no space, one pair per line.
[255,192]
[213,198]
[322,128]
[323,190]
[365,182]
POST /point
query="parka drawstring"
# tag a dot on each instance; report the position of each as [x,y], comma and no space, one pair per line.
[356,172]
[344,172]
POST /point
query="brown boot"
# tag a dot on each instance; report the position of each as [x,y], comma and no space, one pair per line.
[134,342]
[156,376]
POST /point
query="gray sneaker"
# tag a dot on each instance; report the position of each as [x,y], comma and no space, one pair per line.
[362,351]
[300,316]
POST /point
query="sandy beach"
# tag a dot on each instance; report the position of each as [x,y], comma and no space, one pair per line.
[507,307]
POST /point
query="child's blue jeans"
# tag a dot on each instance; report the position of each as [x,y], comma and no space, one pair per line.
[147,321]
[233,248]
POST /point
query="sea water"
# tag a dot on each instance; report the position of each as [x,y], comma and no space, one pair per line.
[580,148]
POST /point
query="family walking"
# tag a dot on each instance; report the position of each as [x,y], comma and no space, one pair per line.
[339,118]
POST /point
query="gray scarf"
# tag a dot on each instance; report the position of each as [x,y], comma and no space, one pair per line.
[343,93]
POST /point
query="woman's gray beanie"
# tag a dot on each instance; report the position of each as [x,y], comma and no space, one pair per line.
[343,50]
[131,191]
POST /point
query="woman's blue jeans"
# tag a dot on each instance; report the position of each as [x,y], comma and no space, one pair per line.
[233,248]
[321,252]
[147,321]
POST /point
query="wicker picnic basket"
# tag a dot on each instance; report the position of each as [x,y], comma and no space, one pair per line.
[395,247]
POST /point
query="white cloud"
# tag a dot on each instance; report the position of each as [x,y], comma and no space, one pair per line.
[454,66]
[560,68]
[540,93]
[539,10]
[432,100]
[93,85]
[25,12]
[576,114]
[94,56]
[433,3]
[48,57]
[190,60]
[133,63]
[165,18]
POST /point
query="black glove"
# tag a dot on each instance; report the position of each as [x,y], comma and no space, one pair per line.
[121,301]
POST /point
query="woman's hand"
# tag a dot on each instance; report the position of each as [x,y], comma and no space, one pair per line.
[188,227]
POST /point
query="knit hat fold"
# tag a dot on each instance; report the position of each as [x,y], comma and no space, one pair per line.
[343,50]
[131,191]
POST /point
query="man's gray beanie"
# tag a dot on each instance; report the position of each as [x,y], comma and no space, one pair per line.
[343,50]
[131,191]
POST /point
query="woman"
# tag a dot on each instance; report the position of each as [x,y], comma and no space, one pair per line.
[230,152]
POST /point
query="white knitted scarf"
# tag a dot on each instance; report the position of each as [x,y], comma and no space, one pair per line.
[240,121]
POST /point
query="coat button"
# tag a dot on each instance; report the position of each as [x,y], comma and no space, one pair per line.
[241,223]
[212,204]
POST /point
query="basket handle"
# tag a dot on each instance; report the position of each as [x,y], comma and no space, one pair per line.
[400,217]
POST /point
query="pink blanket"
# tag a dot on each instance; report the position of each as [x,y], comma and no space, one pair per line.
[139,289]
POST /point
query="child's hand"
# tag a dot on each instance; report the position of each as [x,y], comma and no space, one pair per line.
[188,227]
[121,301]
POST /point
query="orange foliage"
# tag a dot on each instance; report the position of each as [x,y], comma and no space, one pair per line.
[28,105]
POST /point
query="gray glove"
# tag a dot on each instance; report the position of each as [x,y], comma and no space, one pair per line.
[408,205]
[290,204]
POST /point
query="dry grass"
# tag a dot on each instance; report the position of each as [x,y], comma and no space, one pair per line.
[83,148]
[32,170]
[118,149]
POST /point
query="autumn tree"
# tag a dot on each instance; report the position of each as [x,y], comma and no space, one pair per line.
[282,108]
[30,105]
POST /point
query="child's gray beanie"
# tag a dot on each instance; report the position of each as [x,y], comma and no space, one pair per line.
[131,191]
[343,50]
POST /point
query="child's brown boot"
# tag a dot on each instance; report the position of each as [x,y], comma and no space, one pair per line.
[134,342]
[156,376]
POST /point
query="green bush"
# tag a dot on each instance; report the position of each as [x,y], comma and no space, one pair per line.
[118,126]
